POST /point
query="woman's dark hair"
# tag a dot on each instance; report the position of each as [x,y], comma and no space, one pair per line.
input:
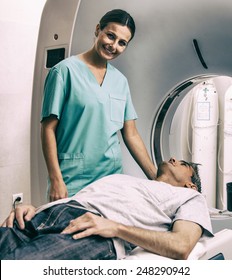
[118,16]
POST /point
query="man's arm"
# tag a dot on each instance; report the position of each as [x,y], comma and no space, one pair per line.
[175,244]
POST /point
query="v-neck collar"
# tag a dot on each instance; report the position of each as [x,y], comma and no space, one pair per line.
[92,74]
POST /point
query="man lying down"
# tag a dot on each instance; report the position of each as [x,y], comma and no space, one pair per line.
[111,216]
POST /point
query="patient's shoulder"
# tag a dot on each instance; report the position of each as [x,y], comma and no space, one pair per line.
[122,177]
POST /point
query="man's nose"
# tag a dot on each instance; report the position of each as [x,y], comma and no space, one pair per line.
[172,160]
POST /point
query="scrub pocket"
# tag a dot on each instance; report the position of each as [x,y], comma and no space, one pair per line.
[74,172]
[117,109]
[71,164]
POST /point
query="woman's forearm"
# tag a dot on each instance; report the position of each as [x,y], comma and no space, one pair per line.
[49,147]
[136,147]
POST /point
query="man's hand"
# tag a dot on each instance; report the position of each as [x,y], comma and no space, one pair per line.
[22,213]
[90,224]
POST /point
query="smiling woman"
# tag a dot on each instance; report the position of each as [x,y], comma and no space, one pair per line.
[86,102]
[112,40]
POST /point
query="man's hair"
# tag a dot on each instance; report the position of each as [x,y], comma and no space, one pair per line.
[196,177]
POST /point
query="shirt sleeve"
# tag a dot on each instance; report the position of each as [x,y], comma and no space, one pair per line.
[195,210]
[54,95]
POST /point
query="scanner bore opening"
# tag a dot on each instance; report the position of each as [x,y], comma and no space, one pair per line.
[165,113]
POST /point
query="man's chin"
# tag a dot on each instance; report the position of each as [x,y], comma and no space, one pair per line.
[161,167]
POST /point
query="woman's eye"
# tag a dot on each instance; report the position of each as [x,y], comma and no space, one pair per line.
[122,44]
[110,36]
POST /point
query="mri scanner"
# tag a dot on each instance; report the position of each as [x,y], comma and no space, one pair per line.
[178,66]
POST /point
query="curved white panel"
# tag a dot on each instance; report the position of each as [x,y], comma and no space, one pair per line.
[204,134]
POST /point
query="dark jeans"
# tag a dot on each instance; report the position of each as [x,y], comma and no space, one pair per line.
[42,240]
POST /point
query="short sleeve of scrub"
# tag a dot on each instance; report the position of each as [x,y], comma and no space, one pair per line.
[54,94]
[130,113]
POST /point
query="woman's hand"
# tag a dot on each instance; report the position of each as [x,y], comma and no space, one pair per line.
[58,190]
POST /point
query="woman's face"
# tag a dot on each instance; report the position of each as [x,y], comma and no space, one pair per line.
[112,40]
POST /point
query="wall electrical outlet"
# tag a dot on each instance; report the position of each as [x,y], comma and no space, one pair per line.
[17,198]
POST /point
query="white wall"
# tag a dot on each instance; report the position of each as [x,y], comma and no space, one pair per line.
[19,25]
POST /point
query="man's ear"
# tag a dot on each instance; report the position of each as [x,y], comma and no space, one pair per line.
[190,185]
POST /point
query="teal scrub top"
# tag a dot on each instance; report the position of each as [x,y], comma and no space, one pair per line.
[89,117]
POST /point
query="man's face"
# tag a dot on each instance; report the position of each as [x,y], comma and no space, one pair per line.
[179,172]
